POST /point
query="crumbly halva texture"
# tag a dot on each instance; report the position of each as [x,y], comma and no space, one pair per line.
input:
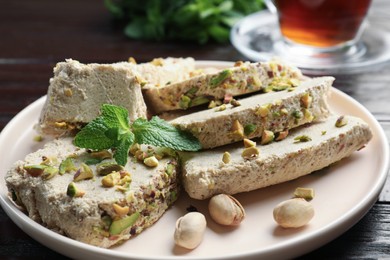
[77,91]
[274,112]
[102,209]
[205,174]
[244,78]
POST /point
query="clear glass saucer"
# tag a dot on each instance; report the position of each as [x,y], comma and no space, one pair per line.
[257,37]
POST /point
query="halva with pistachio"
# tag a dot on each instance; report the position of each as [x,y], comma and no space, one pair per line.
[90,198]
[243,78]
[268,116]
[205,174]
[77,91]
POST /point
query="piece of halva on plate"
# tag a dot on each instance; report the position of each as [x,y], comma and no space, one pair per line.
[259,114]
[77,91]
[203,87]
[88,197]
[247,166]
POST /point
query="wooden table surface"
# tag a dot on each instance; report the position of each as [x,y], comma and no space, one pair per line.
[34,35]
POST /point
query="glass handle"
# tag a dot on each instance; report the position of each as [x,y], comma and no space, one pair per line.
[271,6]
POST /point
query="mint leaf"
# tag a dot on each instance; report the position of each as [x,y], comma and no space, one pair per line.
[123,147]
[160,133]
[115,116]
[93,136]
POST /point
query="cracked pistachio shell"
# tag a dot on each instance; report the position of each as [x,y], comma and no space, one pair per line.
[226,210]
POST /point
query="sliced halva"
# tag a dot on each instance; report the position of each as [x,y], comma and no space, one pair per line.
[304,150]
[243,78]
[87,196]
[275,112]
[77,91]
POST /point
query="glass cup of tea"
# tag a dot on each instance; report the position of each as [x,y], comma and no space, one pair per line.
[320,31]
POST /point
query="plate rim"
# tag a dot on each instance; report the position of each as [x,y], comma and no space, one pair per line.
[40,233]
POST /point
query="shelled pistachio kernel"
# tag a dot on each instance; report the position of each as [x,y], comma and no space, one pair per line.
[151,161]
[341,121]
[249,143]
[306,100]
[110,180]
[120,210]
[250,152]
[85,172]
[308,115]
[267,137]
[304,193]
[74,191]
[226,157]
[237,129]
[103,154]
[281,135]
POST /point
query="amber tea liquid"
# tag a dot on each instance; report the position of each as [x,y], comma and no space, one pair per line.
[321,23]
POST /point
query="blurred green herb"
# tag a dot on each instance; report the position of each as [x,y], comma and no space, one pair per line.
[190,20]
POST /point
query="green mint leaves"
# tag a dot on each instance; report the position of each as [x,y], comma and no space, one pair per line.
[113,130]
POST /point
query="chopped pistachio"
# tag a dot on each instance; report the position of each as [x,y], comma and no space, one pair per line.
[38,138]
[306,100]
[134,148]
[280,86]
[281,135]
[184,102]
[341,121]
[249,143]
[120,210]
[192,91]
[49,172]
[308,115]
[249,129]
[110,180]
[107,168]
[35,170]
[250,152]
[227,98]
[237,128]
[267,137]
[151,161]
[74,191]
[302,138]
[221,108]
[238,63]
[226,157]
[284,111]
[198,101]
[170,168]
[84,173]
[132,60]
[66,166]
[212,104]
[304,193]
[263,110]
[290,89]
[297,114]
[118,226]
[323,132]
[235,103]
[103,154]
[221,77]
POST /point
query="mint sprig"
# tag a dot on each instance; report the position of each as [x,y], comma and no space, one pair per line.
[112,130]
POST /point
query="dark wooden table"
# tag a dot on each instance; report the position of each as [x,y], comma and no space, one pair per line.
[34,35]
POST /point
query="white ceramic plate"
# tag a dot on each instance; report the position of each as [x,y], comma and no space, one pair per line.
[344,193]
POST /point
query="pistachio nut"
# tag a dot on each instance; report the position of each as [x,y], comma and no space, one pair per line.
[189,230]
[84,173]
[293,213]
[226,210]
